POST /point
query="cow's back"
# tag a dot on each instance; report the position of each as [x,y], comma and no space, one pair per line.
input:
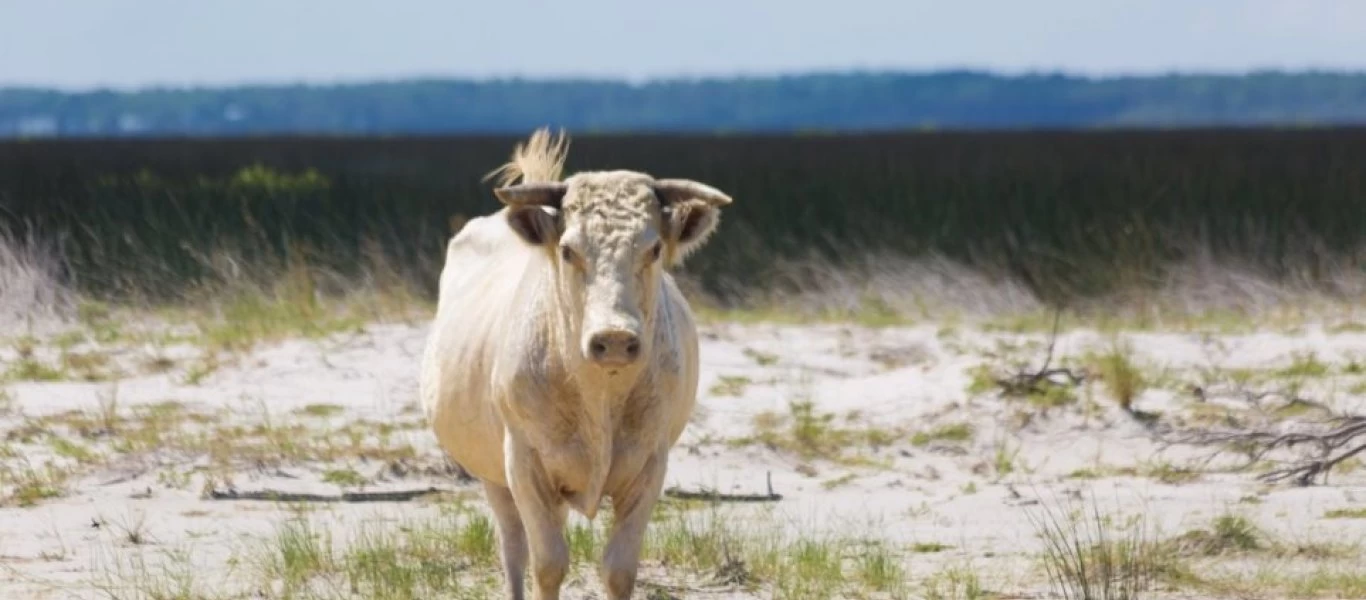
[486,264]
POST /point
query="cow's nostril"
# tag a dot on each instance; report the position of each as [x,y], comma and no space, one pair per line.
[633,348]
[599,348]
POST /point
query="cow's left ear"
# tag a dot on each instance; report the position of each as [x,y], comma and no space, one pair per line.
[691,212]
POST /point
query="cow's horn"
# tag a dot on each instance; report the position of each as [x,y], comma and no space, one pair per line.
[528,194]
[673,191]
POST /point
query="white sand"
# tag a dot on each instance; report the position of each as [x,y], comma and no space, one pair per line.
[911,379]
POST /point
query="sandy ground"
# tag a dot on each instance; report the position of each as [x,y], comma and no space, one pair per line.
[972,496]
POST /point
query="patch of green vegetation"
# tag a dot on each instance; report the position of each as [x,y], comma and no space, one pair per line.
[759,554]
[201,368]
[87,366]
[1346,513]
[730,385]
[949,432]
[810,434]
[1123,378]
[1228,533]
[879,570]
[28,486]
[1347,327]
[344,477]
[1052,396]
[31,369]
[1003,459]
[73,450]
[1303,365]
[1088,555]
[1172,474]
[929,547]
[761,358]
[955,583]
[321,411]
[840,481]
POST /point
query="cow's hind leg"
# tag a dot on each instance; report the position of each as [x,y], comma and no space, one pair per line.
[543,513]
[631,514]
[511,537]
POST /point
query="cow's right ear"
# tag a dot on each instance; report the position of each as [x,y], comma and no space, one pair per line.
[533,210]
[536,225]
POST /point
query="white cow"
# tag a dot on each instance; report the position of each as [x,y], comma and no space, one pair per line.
[562,363]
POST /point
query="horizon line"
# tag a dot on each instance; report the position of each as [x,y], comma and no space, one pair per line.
[345,82]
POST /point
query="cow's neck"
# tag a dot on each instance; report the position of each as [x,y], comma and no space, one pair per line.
[595,401]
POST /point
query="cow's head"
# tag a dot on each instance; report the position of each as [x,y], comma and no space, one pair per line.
[610,235]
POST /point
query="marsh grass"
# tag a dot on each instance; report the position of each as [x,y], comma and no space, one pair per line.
[451,552]
[955,583]
[189,443]
[1345,513]
[1090,556]
[1123,378]
[762,556]
[730,385]
[811,434]
[956,433]
[1237,558]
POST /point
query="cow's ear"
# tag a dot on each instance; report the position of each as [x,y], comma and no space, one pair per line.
[691,212]
[536,225]
[533,209]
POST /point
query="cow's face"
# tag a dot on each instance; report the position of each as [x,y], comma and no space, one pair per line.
[610,235]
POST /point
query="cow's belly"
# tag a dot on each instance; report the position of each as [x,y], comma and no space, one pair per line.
[471,434]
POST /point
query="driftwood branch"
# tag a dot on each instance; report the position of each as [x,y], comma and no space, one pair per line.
[1337,440]
[1024,382]
[277,496]
[714,496]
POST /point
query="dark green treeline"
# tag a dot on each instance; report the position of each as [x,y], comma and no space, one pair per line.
[1071,213]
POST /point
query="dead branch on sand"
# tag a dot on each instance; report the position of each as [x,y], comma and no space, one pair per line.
[1025,382]
[277,496]
[1320,451]
[714,496]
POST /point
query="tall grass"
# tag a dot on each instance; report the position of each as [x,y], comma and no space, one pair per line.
[31,288]
[1088,556]
[1025,217]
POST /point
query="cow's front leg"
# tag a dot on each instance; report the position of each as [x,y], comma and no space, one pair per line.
[631,509]
[543,513]
[511,537]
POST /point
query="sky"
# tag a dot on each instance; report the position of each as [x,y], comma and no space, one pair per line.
[128,44]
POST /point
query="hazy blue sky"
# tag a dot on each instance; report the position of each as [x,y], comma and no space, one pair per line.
[124,43]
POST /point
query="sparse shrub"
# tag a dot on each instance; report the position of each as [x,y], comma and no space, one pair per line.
[1123,379]
[1228,533]
[1346,513]
[949,432]
[1091,557]
[1303,365]
[730,385]
[954,583]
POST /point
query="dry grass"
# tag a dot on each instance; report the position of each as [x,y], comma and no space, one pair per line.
[211,445]
[452,554]
[811,434]
[1123,378]
[1092,556]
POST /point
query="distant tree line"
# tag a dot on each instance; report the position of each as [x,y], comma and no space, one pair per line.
[800,103]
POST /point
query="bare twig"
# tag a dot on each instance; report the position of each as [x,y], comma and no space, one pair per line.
[1327,449]
[1024,383]
[714,496]
[277,496]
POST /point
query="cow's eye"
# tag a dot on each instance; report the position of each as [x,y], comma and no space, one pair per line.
[566,254]
[655,250]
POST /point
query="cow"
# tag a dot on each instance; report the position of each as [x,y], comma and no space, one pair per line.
[562,363]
